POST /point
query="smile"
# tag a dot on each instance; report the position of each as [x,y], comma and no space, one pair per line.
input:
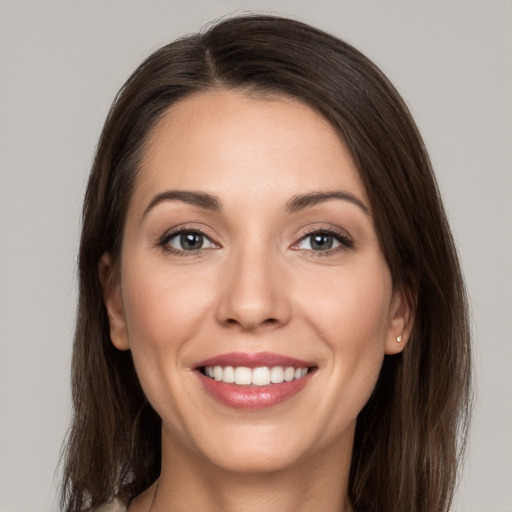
[254,381]
[260,376]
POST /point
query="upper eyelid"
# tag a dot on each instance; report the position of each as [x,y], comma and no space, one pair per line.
[163,240]
[184,228]
[323,229]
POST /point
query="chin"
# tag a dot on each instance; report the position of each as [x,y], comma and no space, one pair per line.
[255,459]
[260,449]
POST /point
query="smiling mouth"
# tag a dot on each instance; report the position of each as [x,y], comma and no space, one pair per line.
[259,376]
[254,381]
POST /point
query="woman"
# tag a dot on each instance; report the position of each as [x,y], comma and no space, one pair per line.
[271,313]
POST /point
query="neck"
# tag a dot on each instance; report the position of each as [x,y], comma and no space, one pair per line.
[188,482]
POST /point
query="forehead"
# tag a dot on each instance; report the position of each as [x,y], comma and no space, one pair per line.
[225,141]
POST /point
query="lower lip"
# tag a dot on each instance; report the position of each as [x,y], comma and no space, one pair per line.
[252,397]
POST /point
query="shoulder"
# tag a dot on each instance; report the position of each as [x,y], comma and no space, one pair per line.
[113,506]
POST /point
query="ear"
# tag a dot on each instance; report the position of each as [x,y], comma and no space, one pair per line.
[401,319]
[111,286]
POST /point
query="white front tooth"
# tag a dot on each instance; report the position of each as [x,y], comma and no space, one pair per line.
[243,376]
[217,372]
[228,375]
[261,376]
[303,371]
[289,374]
[276,375]
[209,371]
[297,373]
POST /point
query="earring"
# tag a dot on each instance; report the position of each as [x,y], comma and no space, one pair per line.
[399,339]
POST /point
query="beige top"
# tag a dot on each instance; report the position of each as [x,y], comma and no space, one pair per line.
[114,506]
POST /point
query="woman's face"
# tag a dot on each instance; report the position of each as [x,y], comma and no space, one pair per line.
[250,254]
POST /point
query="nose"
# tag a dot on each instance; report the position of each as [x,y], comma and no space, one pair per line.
[253,292]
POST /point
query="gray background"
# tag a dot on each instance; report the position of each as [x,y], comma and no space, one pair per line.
[61,64]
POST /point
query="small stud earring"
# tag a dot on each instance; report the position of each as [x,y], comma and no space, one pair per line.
[399,339]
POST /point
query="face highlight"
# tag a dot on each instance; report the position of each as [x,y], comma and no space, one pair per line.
[253,295]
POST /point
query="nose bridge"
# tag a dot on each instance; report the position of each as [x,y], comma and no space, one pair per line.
[252,291]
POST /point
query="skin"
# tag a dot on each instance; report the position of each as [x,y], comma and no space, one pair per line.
[256,285]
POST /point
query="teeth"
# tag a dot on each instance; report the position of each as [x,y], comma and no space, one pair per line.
[261,376]
[276,375]
[243,376]
[228,374]
[289,374]
[217,373]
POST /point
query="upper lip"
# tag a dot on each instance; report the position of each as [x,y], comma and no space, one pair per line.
[254,360]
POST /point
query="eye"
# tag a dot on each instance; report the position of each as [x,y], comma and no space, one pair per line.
[186,241]
[318,242]
[324,241]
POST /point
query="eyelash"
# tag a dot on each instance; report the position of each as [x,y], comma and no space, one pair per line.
[343,238]
[165,239]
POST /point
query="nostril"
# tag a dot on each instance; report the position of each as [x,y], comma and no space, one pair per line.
[251,324]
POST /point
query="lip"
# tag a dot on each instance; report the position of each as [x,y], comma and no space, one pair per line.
[253,397]
[255,360]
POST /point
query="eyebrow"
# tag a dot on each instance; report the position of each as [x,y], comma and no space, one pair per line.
[212,203]
[303,201]
[201,199]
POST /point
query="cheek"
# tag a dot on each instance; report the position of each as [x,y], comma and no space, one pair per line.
[161,301]
[351,318]
[351,309]
[163,310]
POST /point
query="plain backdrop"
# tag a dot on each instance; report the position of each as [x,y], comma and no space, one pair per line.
[62,62]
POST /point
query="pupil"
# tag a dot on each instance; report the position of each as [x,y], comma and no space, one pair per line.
[191,241]
[321,242]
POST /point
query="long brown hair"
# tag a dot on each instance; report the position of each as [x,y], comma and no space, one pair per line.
[410,434]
